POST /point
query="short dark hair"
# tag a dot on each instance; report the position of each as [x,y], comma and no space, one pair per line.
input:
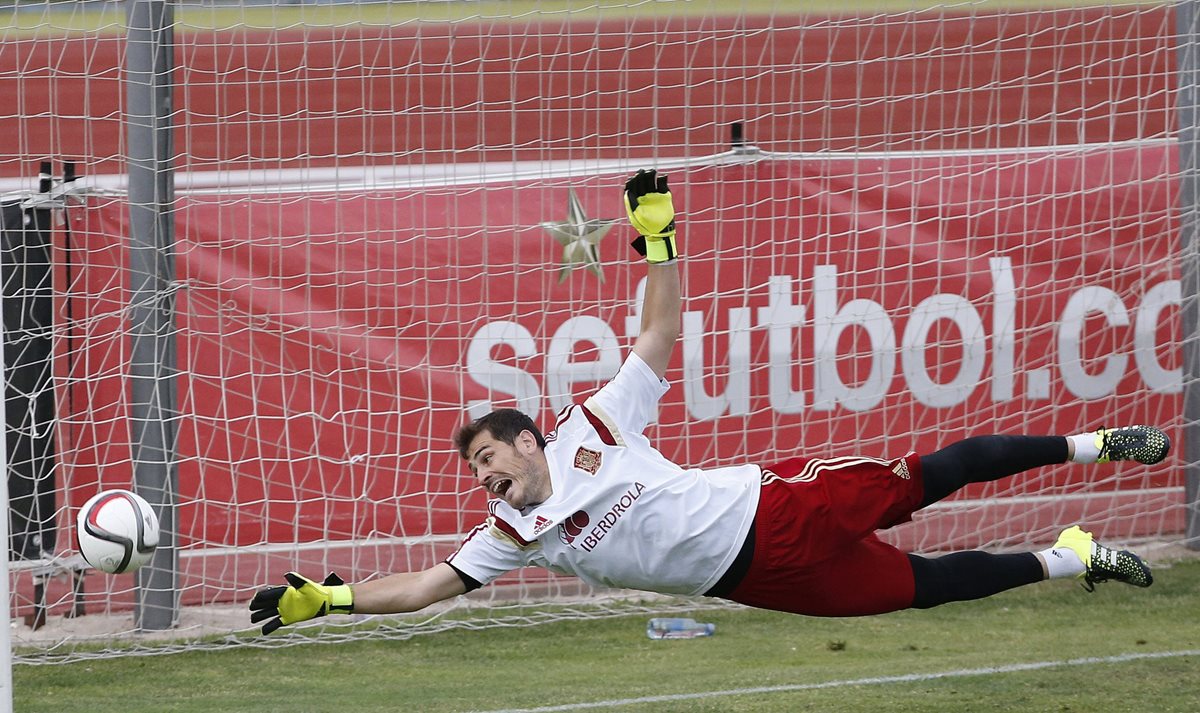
[505,424]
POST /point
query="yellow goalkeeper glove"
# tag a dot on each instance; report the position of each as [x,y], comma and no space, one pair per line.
[302,599]
[648,203]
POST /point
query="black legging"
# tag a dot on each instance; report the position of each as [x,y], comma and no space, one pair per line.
[986,458]
[973,575]
[961,576]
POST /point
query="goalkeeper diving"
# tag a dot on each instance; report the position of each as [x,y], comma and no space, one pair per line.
[595,499]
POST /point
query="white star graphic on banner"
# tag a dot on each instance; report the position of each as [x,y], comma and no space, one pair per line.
[580,237]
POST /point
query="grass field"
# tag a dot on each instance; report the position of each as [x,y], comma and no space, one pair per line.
[1020,651]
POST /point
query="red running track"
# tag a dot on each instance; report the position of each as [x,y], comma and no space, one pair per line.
[434,94]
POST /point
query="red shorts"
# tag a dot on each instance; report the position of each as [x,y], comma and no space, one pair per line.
[815,549]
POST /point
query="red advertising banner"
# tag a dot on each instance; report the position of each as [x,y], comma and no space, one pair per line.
[331,343]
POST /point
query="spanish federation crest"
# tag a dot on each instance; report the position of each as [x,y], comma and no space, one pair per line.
[587,460]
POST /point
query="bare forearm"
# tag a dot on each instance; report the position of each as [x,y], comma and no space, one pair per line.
[660,316]
[407,591]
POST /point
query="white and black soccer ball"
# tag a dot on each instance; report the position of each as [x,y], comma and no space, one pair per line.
[117,531]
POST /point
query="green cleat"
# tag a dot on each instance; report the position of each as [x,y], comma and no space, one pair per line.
[1144,444]
[1104,563]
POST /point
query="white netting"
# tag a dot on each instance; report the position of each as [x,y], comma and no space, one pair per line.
[944,222]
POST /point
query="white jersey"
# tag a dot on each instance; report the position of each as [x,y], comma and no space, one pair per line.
[621,514]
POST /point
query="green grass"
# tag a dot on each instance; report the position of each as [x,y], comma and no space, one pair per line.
[578,662]
[57,19]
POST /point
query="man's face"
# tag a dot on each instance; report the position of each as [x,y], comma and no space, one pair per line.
[516,473]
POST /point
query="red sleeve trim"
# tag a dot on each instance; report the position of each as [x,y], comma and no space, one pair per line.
[474,531]
[606,435]
[509,530]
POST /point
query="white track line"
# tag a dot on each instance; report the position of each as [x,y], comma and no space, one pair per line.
[874,681]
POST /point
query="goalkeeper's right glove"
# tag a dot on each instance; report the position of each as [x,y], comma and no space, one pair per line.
[648,203]
[302,599]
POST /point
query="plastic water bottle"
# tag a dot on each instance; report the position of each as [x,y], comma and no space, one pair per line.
[678,629]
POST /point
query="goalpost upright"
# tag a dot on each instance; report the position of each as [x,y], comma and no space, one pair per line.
[1188,111]
[6,660]
[153,415]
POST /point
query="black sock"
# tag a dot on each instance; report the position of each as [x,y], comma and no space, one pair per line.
[963,576]
[985,458]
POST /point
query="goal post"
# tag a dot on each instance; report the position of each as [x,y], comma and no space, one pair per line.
[150,167]
[6,622]
[929,224]
[1188,22]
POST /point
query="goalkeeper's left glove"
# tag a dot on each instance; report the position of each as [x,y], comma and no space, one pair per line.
[302,599]
[648,203]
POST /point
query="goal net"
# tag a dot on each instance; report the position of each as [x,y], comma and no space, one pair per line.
[926,225]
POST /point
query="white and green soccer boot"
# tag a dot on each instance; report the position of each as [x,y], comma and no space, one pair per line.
[1104,563]
[1144,444]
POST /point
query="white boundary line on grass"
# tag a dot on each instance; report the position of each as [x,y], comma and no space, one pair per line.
[873,681]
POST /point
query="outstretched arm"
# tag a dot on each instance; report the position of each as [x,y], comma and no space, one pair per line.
[407,591]
[648,202]
[660,318]
[303,599]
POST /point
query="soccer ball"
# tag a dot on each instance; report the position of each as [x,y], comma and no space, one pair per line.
[117,531]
